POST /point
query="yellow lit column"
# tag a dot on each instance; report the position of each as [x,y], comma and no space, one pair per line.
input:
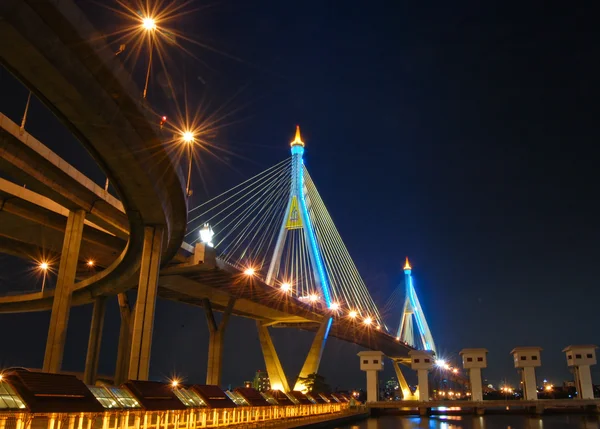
[272,362]
[143,322]
[313,359]
[65,282]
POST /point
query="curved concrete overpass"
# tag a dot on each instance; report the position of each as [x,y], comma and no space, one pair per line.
[53,49]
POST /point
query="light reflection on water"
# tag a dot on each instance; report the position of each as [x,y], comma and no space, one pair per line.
[476,422]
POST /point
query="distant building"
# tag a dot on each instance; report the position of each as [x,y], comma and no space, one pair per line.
[261,381]
[391,389]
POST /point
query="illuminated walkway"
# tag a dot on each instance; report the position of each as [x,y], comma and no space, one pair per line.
[41,400]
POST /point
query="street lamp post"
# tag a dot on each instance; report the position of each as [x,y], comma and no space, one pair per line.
[188,139]
[149,25]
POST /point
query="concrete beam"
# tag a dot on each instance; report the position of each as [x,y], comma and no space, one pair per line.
[313,359]
[215,342]
[143,323]
[95,341]
[272,362]
[65,282]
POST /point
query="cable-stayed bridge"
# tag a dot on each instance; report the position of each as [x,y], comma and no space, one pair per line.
[277,256]
[276,226]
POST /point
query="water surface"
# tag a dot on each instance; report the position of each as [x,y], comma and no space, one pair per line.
[474,422]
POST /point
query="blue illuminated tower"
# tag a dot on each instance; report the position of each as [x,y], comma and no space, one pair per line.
[297,217]
[412,307]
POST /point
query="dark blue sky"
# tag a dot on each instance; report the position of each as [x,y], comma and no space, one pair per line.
[462,135]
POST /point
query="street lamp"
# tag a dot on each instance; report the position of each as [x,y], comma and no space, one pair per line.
[149,26]
[286,287]
[188,138]
[44,266]
[206,235]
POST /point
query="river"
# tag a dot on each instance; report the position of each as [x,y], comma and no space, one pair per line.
[474,422]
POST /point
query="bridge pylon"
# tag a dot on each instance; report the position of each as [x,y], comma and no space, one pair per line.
[296,218]
[412,310]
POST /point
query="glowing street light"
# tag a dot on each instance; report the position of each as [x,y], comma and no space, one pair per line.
[206,235]
[440,363]
[334,306]
[149,24]
[368,321]
[313,297]
[175,383]
[90,263]
[353,314]
[286,287]
[249,272]
[44,267]
[455,370]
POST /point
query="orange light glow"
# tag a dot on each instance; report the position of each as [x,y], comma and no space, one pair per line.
[249,271]
[298,139]
[407,265]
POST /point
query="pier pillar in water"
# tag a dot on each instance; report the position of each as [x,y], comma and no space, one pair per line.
[526,359]
[371,362]
[422,361]
[473,361]
[580,358]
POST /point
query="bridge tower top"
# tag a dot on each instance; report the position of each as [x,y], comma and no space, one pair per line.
[407,267]
[297,139]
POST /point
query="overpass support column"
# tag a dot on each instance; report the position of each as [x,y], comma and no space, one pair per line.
[143,321]
[313,359]
[93,351]
[272,362]
[124,350]
[215,342]
[61,306]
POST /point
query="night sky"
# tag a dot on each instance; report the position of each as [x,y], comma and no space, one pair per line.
[462,135]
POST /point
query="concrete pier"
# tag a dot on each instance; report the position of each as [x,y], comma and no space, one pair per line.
[61,306]
[143,323]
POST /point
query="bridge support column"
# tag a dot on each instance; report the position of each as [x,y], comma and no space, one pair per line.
[124,349]
[473,361]
[143,322]
[527,359]
[407,395]
[313,359]
[215,342]
[580,358]
[371,362]
[93,351]
[422,361]
[61,306]
[272,362]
